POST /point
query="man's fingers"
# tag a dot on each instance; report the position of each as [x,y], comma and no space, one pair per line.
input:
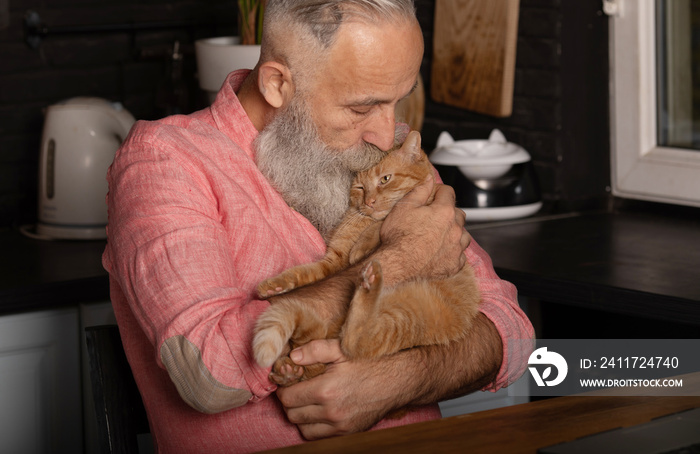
[318,351]
[444,195]
[419,195]
[315,422]
[465,240]
[317,431]
[307,415]
[460,217]
[299,395]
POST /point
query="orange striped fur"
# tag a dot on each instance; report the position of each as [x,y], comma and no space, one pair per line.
[374,320]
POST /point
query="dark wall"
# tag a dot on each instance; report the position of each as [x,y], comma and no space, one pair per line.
[560,112]
[129,64]
[560,100]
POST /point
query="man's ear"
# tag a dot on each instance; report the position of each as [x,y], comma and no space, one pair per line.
[275,83]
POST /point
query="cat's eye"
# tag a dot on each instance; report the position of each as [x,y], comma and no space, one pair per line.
[385,179]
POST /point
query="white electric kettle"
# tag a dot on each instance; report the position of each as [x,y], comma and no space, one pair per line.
[78,144]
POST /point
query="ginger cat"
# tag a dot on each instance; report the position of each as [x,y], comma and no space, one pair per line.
[375,320]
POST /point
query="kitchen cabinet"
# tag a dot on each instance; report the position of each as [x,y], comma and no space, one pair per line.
[40,383]
[94,314]
[45,394]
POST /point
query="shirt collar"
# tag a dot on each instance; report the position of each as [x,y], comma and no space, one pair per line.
[229,115]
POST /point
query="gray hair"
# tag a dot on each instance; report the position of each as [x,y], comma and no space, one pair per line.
[315,23]
[322,18]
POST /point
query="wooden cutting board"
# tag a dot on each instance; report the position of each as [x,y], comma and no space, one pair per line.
[411,110]
[474,44]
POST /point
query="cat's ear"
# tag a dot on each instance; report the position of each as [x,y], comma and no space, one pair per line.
[411,146]
[275,83]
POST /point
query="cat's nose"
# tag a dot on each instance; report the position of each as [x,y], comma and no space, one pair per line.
[370,202]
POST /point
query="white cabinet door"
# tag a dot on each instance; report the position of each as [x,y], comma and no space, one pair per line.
[40,399]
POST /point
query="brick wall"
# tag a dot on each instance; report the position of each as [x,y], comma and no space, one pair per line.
[559,108]
[129,66]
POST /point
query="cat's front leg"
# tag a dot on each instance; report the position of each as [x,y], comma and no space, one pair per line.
[368,241]
[282,283]
[301,275]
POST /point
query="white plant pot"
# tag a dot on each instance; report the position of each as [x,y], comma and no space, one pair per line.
[217,57]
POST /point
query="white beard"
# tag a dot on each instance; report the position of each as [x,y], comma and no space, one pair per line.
[313,179]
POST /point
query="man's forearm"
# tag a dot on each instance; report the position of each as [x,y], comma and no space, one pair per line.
[439,372]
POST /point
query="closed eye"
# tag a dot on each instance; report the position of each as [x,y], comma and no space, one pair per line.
[361,111]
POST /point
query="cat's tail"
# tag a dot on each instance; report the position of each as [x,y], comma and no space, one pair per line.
[273,330]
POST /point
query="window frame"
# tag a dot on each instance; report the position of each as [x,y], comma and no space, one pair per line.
[640,168]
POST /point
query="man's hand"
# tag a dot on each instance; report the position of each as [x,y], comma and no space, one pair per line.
[352,396]
[344,399]
[428,239]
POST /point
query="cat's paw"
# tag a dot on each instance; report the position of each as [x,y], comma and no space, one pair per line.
[357,254]
[285,372]
[371,276]
[274,286]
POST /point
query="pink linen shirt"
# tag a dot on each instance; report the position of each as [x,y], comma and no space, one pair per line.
[193,228]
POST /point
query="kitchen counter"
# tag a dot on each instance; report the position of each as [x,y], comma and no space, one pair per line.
[36,274]
[634,262]
[640,263]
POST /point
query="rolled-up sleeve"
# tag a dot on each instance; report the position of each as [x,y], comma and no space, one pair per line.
[500,304]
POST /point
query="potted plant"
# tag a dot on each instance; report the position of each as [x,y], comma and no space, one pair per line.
[217,57]
[250,19]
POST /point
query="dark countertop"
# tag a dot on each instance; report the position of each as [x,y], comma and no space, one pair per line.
[36,274]
[634,263]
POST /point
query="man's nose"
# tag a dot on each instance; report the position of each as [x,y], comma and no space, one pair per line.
[380,131]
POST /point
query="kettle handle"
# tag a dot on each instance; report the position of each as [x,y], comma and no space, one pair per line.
[124,119]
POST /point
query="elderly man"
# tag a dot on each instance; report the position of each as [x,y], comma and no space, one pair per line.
[205,206]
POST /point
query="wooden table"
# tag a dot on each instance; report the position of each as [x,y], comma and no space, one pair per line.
[518,429]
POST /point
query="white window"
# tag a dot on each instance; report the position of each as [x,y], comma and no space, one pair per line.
[655,100]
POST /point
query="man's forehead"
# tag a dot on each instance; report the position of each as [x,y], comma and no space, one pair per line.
[370,65]
[370,100]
